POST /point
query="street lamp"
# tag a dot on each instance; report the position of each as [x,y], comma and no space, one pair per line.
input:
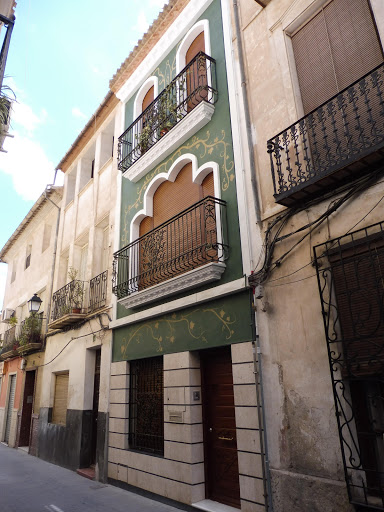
[34,304]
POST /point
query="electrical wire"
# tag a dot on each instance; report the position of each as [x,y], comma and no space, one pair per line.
[65,346]
[270,242]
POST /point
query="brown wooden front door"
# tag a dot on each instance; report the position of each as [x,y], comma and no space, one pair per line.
[220,446]
[26,414]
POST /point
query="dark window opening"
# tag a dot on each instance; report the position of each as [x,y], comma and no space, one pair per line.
[146,410]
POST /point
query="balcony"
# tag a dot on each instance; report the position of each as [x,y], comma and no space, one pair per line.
[68,305]
[30,334]
[338,142]
[186,251]
[194,86]
[10,344]
[98,292]
[77,299]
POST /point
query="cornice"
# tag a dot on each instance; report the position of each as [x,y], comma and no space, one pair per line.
[184,129]
[196,277]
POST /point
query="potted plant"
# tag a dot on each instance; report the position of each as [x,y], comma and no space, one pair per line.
[30,335]
[143,139]
[167,110]
[76,291]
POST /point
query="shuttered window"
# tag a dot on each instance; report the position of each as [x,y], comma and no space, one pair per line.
[197,45]
[148,98]
[334,49]
[172,198]
[197,76]
[183,241]
[358,276]
[60,404]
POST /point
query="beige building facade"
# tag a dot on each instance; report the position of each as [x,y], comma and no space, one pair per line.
[312,76]
[29,250]
[73,405]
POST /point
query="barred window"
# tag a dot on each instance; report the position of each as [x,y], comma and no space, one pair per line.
[146,410]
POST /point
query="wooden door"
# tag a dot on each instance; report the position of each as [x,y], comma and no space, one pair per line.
[95,412]
[26,415]
[220,446]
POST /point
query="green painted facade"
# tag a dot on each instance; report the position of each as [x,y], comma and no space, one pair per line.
[212,324]
[213,143]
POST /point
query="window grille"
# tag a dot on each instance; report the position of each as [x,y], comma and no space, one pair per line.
[146,410]
[350,273]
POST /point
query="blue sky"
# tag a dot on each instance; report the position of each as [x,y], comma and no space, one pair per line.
[61,58]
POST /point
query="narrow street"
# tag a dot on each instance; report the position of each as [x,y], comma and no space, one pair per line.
[29,484]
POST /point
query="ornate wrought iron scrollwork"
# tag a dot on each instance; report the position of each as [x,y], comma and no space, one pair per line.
[189,240]
[351,289]
[329,138]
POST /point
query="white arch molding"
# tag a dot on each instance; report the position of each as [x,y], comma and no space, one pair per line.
[198,175]
[152,81]
[200,26]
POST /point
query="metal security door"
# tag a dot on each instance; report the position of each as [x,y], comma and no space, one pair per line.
[11,401]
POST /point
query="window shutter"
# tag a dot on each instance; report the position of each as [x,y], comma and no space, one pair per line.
[197,45]
[353,40]
[172,198]
[59,413]
[358,282]
[208,186]
[148,98]
[314,63]
[334,49]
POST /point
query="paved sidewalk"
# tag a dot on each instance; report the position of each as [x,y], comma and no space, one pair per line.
[29,484]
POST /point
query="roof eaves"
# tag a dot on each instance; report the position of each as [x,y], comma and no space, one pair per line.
[110,95]
[49,191]
[144,45]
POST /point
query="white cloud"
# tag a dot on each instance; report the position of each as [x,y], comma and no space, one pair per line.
[24,116]
[25,159]
[28,165]
[76,112]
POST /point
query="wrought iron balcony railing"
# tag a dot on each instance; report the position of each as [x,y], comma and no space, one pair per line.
[188,240]
[340,140]
[9,341]
[68,300]
[194,84]
[98,292]
[30,330]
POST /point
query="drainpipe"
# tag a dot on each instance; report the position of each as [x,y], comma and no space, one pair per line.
[257,362]
[248,123]
[53,260]
[257,359]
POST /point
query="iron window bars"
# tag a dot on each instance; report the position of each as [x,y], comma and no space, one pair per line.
[194,84]
[146,409]
[193,238]
[98,291]
[321,149]
[350,272]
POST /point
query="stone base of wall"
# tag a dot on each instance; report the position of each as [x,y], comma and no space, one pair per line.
[33,446]
[294,492]
[68,446]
